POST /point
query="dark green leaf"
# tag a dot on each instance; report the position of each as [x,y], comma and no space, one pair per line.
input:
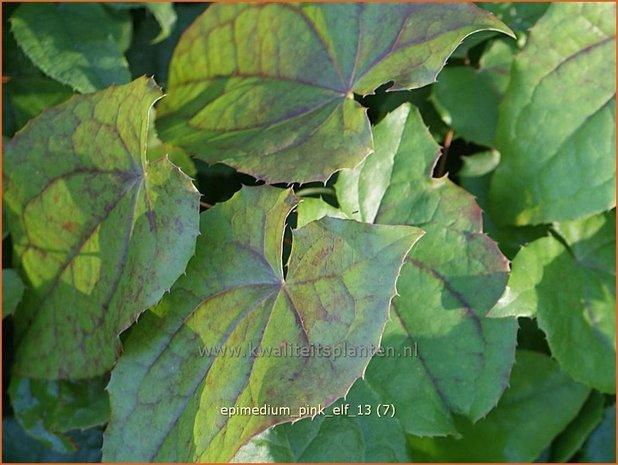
[146,58]
[163,12]
[30,95]
[475,176]
[12,291]
[100,232]
[540,402]
[78,44]
[468,98]
[234,297]
[572,438]
[340,435]
[17,446]
[557,126]
[518,16]
[26,90]
[46,409]
[284,110]
[601,446]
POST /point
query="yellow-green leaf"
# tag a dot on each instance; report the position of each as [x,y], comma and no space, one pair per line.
[269,88]
[99,231]
[236,332]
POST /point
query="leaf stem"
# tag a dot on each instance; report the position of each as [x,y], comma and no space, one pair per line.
[316,191]
[446,146]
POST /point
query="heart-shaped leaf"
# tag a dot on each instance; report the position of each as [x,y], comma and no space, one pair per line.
[235,333]
[559,118]
[268,88]
[448,283]
[100,232]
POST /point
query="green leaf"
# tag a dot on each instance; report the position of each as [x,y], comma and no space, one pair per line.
[573,437]
[468,98]
[540,402]
[166,17]
[26,91]
[30,95]
[340,435]
[395,184]
[284,110]
[12,291]
[448,283]
[582,314]
[100,232]
[475,176]
[158,150]
[313,209]
[46,409]
[80,45]
[168,387]
[18,446]
[163,12]
[601,446]
[146,58]
[557,126]
[518,16]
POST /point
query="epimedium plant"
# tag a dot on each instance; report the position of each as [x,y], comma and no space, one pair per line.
[136,321]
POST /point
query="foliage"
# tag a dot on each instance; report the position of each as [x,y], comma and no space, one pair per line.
[385,231]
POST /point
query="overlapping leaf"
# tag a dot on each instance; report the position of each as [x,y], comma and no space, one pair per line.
[519,16]
[540,403]
[12,291]
[340,435]
[448,283]
[48,409]
[26,91]
[18,446]
[580,320]
[100,232]
[269,88]
[468,98]
[565,446]
[557,127]
[28,96]
[475,176]
[146,58]
[169,387]
[78,44]
[601,446]
[163,12]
